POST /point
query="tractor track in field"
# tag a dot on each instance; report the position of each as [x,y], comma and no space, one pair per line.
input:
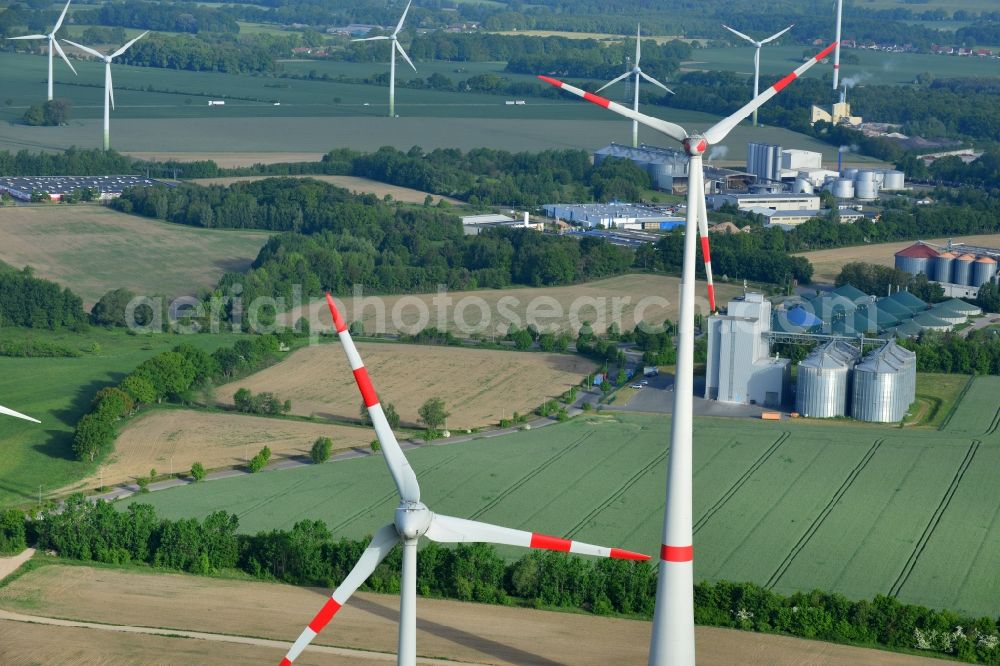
[733,489]
[821,518]
[994,424]
[529,476]
[385,498]
[932,524]
[613,497]
[958,401]
[270,498]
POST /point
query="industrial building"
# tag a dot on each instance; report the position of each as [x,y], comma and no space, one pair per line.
[824,380]
[775,202]
[614,216]
[884,384]
[107,187]
[789,219]
[473,225]
[960,269]
[668,168]
[769,162]
[739,367]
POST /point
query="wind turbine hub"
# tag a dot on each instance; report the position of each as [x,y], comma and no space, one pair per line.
[695,145]
[412,519]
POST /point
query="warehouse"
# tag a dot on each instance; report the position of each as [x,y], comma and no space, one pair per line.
[614,216]
[56,187]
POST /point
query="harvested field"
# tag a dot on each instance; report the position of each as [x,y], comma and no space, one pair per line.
[352,183]
[479,387]
[228,160]
[460,631]
[827,263]
[215,440]
[92,249]
[626,300]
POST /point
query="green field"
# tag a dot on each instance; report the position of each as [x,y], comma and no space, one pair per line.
[792,505]
[58,392]
[315,116]
[978,413]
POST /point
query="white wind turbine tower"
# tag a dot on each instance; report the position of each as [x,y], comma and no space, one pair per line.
[394,38]
[673,620]
[109,93]
[638,73]
[413,520]
[53,45]
[756,57]
[836,53]
[11,412]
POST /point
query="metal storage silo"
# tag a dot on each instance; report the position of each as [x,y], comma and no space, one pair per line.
[802,186]
[916,259]
[942,266]
[983,270]
[894,180]
[851,173]
[866,190]
[961,270]
[824,380]
[884,385]
[843,188]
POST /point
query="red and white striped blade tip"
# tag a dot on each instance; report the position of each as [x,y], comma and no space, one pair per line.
[338,320]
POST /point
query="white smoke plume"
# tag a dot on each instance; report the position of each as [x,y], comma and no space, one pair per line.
[851,81]
[717,152]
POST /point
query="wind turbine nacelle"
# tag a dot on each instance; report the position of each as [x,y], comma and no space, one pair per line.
[412,519]
[695,145]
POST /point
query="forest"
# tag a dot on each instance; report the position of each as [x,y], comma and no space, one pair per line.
[36,303]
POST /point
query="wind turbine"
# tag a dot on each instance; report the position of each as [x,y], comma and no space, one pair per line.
[836,53]
[394,38]
[109,93]
[11,412]
[673,620]
[413,520]
[756,57]
[53,45]
[637,71]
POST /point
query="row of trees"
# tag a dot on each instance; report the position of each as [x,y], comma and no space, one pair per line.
[36,303]
[309,554]
[174,375]
[978,354]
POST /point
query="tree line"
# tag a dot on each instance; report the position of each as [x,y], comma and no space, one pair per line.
[162,16]
[36,303]
[309,554]
[977,354]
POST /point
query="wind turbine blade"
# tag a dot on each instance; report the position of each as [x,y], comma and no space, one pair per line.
[85,49]
[776,35]
[706,254]
[108,84]
[128,44]
[61,17]
[403,53]
[382,543]
[446,529]
[399,466]
[31,37]
[614,81]
[719,131]
[675,132]
[11,412]
[399,26]
[371,39]
[62,54]
[638,44]
[649,78]
[740,34]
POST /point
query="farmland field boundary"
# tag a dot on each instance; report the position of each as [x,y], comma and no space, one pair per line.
[529,476]
[958,401]
[932,524]
[827,510]
[994,424]
[740,481]
[624,488]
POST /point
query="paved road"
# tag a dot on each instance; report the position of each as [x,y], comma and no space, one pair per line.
[658,397]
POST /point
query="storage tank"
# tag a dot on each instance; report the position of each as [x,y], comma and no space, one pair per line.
[865,190]
[983,270]
[851,173]
[894,180]
[843,188]
[802,186]
[961,270]
[942,266]
[916,259]
[824,380]
[661,174]
[884,385]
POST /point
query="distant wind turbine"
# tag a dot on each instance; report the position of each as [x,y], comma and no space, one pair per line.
[53,45]
[11,412]
[637,71]
[756,58]
[109,93]
[394,38]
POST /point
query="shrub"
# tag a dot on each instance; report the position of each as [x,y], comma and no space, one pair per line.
[143,484]
[376,445]
[259,461]
[197,471]
[12,534]
[321,450]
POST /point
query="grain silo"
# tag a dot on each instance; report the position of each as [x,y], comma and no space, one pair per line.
[884,384]
[916,259]
[824,380]
[983,270]
[961,270]
[942,266]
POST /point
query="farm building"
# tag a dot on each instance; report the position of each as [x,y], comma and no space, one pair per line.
[960,269]
[106,187]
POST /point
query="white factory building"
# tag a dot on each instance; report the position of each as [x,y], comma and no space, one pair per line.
[613,216]
[739,367]
[765,201]
[769,162]
[473,225]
